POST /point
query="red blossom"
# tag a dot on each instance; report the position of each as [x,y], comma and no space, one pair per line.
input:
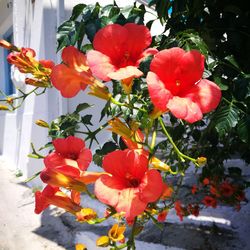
[73,74]
[69,151]
[205,181]
[130,185]
[118,51]
[180,210]
[175,83]
[194,209]
[54,196]
[209,201]
[162,216]
[194,189]
[226,189]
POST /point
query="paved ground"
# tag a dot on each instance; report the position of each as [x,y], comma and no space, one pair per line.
[22,229]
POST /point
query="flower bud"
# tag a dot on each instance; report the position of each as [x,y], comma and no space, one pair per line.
[80,246]
[99,90]
[201,161]
[102,241]
[3,107]
[5,44]
[86,214]
[42,123]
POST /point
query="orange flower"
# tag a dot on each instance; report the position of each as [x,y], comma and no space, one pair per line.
[116,233]
[54,196]
[194,189]
[85,215]
[167,191]
[180,211]
[73,74]
[226,189]
[205,181]
[162,216]
[209,201]
[130,185]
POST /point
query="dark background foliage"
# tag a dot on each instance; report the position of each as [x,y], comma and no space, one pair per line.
[220,30]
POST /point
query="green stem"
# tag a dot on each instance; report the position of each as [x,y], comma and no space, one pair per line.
[131,242]
[179,153]
[154,135]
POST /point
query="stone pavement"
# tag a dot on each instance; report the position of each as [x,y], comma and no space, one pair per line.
[21,228]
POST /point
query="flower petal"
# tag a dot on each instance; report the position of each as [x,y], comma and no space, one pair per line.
[135,163]
[124,73]
[107,189]
[165,64]
[113,163]
[151,186]
[130,203]
[135,43]
[66,80]
[84,159]
[69,145]
[185,108]
[100,64]
[74,59]
[159,95]
[111,41]
[206,94]
[90,177]
[177,69]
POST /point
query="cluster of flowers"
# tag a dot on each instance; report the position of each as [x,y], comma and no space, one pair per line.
[131,183]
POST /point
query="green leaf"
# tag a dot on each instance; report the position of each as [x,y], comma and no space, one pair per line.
[243,129]
[77,10]
[226,118]
[87,120]
[64,33]
[82,106]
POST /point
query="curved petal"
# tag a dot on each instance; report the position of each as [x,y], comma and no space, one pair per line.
[66,80]
[165,64]
[74,59]
[151,186]
[100,64]
[135,43]
[40,202]
[111,41]
[84,159]
[113,163]
[124,73]
[159,95]
[185,108]
[90,177]
[145,54]
[130,203]
[68,171]
[206,94]
[107,189]
[69,146]
[135,163]
[191,69]
[53,160]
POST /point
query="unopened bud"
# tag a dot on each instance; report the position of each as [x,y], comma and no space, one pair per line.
[5,44]
[201,161]
[9,100]
[102,241]
[3,107]
[99,90]
[80,246]
[42,123]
